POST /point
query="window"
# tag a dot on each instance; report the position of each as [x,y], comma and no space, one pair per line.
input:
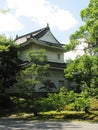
[58,56]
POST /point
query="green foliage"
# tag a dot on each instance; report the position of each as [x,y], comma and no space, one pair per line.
[71,96]
[88,31]
[3,39]
[38,56]
[33,74]
[58,101]
[93,91]
[64,99]
[83,71]
[9,62]
[82,102]
[55,101]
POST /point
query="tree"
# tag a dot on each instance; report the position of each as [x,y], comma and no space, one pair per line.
[88,31]
[9,62]
[83,71]
[32,75]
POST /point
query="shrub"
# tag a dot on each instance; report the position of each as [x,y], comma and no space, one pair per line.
[82,102]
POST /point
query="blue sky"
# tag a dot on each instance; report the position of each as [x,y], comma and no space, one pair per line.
[24,16]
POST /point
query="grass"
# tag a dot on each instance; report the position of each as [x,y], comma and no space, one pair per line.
[53,115]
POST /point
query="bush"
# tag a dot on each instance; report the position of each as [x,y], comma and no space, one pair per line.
[58,101]
[55,101]
[82,102]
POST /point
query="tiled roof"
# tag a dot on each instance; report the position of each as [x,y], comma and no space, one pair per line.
[36,34]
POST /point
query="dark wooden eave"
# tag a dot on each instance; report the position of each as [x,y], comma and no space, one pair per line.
[55,65]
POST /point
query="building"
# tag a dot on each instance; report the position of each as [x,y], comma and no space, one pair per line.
[44,39]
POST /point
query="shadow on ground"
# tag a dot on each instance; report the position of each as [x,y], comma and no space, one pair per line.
[13,124]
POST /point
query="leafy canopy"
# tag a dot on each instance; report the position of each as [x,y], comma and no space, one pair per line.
[34,73]
[8,62]
[89,30]
[83,71]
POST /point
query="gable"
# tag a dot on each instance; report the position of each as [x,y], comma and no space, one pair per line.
[48,37]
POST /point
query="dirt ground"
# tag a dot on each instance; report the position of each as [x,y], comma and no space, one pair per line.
[14,124]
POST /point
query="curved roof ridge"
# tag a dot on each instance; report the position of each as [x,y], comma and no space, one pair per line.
[34,33]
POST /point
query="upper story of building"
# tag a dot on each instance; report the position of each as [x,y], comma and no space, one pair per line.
[41,39]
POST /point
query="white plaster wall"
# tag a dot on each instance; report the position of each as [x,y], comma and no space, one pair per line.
[52,54]
[55,77]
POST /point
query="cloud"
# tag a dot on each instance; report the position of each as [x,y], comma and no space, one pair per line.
[9,23]
[42,12]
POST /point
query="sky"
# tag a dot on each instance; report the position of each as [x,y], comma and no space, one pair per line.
[25,16]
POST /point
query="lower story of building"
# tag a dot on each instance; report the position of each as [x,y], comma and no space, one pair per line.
[52,83]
